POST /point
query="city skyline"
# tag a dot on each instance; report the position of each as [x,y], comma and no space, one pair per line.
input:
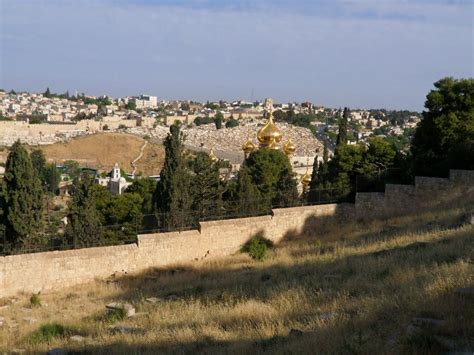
[358,54]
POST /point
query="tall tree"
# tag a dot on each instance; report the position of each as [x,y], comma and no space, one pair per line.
[248,198]
[206,187]
[83,227]
[173,192]
[47,93]
[342,134]
[38,160]
[272,173]
[444,139]
[51,178]
[23,200]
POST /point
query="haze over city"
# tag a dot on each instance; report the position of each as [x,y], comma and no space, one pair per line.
[364,54]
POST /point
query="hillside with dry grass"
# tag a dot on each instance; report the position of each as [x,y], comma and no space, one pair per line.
[393,286]
[101,151]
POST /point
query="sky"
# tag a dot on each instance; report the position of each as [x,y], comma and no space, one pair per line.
[355,53]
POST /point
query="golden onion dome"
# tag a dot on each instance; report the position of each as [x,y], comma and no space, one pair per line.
[248,147]
[273,146]
[306,179]
[269,133]
[212,157]
[289,148]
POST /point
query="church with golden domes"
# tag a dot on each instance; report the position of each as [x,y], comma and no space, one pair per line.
[270,137]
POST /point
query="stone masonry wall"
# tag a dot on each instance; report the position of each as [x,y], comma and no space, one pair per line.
[426,192]
[36,272]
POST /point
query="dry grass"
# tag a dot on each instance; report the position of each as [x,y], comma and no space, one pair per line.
[101,151]
[349,288]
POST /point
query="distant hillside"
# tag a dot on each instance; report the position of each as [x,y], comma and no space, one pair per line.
[101,151]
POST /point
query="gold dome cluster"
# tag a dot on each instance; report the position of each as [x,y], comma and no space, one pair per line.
[269,136]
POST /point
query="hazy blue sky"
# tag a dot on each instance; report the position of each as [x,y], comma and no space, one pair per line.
[376,53]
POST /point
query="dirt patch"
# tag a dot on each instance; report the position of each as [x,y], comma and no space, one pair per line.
[101,151]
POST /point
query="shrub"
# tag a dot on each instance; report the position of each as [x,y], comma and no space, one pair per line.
[48,332]
[115,315]
[35,300]
[257,247]
[231,123]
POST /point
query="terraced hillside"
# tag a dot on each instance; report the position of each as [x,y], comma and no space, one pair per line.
[402,285]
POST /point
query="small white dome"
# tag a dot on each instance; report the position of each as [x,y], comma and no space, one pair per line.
[122,180]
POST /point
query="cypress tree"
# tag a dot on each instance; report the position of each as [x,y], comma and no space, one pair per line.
[206,187]
[249,199]
[342,134]
[173,192]
[23,200]
[83,227]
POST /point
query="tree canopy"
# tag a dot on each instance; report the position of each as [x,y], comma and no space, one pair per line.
[444,139]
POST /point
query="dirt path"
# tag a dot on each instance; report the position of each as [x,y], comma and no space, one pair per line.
[138,158]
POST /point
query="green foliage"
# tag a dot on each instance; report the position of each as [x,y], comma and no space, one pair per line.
[38,160]
[351,161]
[22,200]
[145,188]
[271,171]
[115,315]
[83,228]
[206,189]
[48,332]
[173,192]
[342,134]
[257,247]
[218,118]
[131,106]
[231,123]
[248,196]
[212,105]
[444,139]
[35,300]
[51,178]
[72,168]
[300,119]
[203,120]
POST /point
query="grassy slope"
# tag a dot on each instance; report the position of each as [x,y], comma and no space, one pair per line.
[350,288]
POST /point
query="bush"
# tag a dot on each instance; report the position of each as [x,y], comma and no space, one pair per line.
[257,247]
[115,315]
[35,300]
[231,123]
[48,332]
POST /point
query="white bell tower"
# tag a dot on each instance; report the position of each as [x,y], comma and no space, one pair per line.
[116,172]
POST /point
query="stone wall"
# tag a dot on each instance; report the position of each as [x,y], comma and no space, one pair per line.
[36,272]
[52,270]
[427,192]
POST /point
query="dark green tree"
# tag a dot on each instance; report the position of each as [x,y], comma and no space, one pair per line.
[38,160]
[172,197]
[248,200]
[51,178]
[231,123]
[83,227]
[47,93]
[23,200]
[444,139]
[218,118]
[272,173]
[72,168]
[145,188]
[206,187]
[342,133]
